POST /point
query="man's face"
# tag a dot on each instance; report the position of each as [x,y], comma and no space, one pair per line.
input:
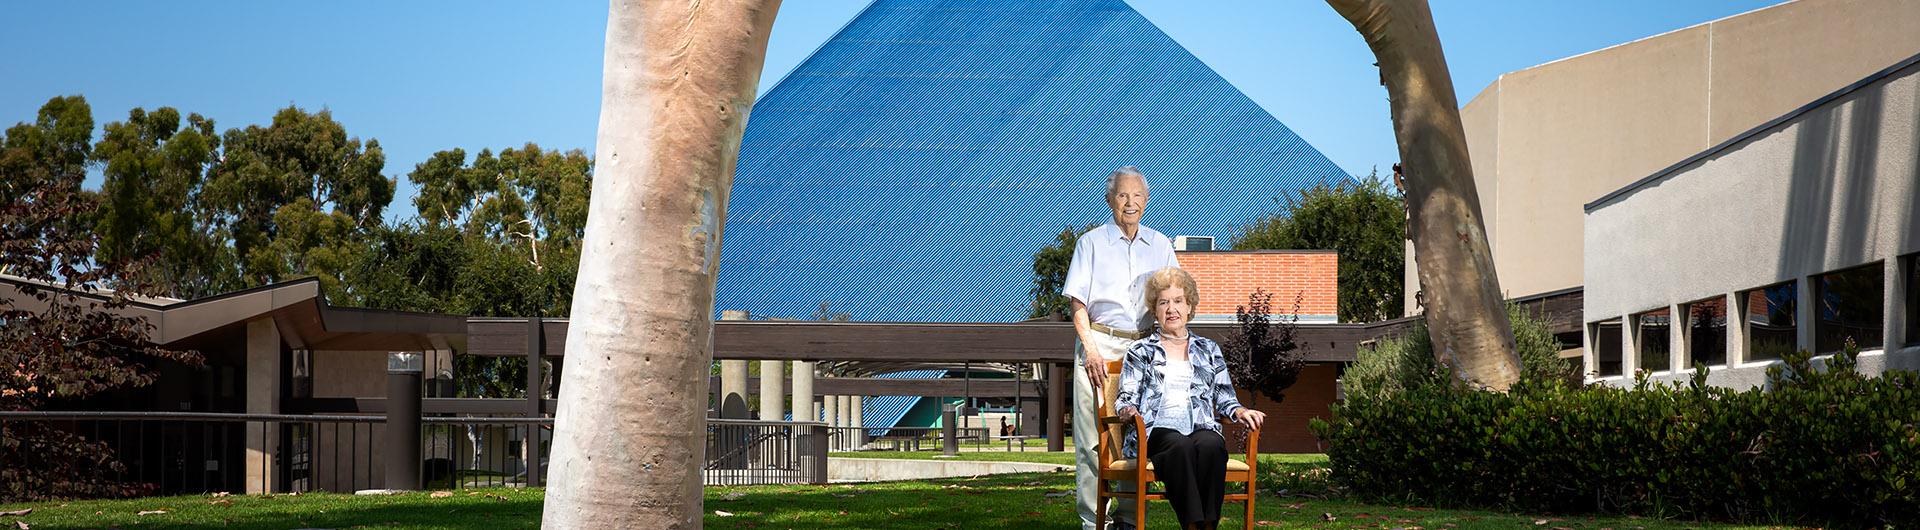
[1128,201]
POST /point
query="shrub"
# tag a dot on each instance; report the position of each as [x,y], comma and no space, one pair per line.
[1828,447]
[1398,362]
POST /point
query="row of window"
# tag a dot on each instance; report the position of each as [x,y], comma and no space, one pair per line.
[1847,304]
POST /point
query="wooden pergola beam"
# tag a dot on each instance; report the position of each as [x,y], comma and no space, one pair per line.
[875,386]
[1033,342]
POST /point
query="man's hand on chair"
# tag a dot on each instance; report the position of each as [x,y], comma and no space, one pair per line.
[1126,412]
[1096,366]
[1249,417]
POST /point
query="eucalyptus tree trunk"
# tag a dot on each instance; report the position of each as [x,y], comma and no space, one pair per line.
[630,430]
[1465,314]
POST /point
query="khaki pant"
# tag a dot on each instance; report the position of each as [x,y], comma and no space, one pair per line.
[1086,432]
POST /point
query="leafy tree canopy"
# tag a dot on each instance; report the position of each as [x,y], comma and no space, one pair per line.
[1365,221]
[1050,274]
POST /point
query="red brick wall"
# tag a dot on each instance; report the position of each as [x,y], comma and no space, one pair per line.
[1286,428]
[1225,278]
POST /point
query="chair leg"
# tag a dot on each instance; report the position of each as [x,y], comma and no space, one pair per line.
[1251,494]
[1100,506]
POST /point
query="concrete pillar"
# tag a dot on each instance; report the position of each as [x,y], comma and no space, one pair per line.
[772,405]
[1896,300]
[733,390]
[733,379]
[772,394]
[1589,357]
[1629,346]
[263,397]
[846,410]
[831,404]
[1678,355]
[803,409]
[1736,329]
[860,435]
[812,447]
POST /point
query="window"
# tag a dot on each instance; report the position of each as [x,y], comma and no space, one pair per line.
[1651,335]
[1706,332]
[1606,346]
[1913,299]
[1770,315]
[1852,305]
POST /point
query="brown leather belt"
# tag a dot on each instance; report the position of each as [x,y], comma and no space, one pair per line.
[1121,333]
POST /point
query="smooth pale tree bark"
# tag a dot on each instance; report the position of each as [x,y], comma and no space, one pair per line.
[1465,315]
[679,81]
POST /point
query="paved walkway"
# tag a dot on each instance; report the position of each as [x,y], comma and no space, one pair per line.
[880,469]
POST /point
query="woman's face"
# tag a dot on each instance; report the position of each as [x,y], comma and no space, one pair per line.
[1172,310]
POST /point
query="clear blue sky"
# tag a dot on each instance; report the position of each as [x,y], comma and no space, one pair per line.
[427,76]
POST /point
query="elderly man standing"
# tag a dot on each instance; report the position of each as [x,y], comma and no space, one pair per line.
[1105,280]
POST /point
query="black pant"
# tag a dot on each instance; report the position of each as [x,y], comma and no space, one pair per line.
[1194,470]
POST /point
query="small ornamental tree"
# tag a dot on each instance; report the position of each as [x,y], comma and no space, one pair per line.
[55,345]
[1262,356]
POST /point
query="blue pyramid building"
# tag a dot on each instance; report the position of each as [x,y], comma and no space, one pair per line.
[909,169]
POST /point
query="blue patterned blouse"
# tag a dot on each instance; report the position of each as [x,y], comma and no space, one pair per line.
[1141,387]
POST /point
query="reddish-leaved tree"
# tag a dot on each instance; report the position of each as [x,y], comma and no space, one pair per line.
[56,345]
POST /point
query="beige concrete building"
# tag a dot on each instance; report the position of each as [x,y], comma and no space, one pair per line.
[1549,139]
[1799,234]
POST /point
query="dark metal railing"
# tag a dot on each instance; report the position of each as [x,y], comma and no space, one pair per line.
[173,453]
[478,452]
[170,453]
[845,439]
[764,452]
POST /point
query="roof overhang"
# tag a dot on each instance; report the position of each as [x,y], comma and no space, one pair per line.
[298,311]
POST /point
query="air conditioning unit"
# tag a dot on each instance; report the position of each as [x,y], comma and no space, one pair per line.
[1189,243]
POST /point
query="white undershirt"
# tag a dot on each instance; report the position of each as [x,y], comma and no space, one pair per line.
[1177,377]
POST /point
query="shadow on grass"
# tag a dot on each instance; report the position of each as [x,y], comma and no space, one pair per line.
[492,509]
[1032,500]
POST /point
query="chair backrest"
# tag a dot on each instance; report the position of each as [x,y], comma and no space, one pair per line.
[1115,435]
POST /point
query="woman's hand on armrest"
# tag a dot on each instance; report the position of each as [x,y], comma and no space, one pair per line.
[1127,412]
[1249,417]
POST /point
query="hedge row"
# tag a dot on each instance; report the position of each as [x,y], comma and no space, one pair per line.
[1825,447]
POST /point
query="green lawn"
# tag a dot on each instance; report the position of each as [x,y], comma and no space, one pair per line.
[1031,500]
[495,508]
[1044,500]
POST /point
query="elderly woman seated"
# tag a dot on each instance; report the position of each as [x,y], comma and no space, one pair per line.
[1177,382]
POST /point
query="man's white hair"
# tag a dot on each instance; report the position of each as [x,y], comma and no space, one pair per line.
[1113,179]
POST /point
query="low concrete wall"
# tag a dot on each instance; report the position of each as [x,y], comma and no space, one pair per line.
[880,469]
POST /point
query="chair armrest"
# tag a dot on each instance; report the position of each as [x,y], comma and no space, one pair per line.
[1139,427]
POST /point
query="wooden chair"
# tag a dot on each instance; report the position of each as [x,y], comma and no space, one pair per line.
[1114,468]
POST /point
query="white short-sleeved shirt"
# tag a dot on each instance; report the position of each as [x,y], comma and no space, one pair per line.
[1109,273]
